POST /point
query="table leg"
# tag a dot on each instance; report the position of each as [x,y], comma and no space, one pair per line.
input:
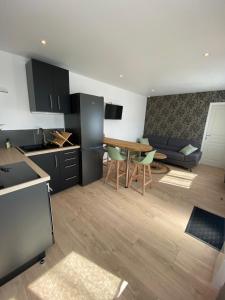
[127,169]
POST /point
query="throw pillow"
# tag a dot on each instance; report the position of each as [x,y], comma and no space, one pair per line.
[187,150]
[144,141]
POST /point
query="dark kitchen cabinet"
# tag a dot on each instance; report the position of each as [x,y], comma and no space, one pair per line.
[70,168]
[48,87]
[50,164]
[63,168]
[61,90]
[26,229]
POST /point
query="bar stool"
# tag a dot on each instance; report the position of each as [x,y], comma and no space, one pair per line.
[144,164]
[105,157]
[117,160]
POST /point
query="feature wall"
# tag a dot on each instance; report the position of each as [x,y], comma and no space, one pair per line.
[182,115]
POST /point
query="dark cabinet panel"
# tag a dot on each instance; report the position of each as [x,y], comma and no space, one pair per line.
[63,168]
[61,90]
[48,87]
[25,228]
[92,112]
[69,164]
[50,164]
[39,81]
[91,165]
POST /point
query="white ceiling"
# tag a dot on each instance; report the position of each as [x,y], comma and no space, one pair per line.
[155,44]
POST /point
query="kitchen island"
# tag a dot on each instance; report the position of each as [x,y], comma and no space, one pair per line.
[26,228]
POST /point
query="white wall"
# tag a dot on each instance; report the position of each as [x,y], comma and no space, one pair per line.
[218,279]
[132,124]
[14,106]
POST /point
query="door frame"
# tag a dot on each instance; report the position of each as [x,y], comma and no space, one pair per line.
[211,105]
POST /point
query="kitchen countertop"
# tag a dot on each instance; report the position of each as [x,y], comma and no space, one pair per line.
[50,150]
[13,155]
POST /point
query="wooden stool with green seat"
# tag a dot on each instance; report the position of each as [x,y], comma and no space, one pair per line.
[118,160]
[144,164]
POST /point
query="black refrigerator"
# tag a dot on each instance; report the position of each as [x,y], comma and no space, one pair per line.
[85,122]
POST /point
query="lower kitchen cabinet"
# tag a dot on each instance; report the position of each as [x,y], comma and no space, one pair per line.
[50,164]
[63,168]
[26,229]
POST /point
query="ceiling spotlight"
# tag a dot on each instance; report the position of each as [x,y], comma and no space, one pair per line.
[153,90]
[121,75]
[43,42]
[206,54]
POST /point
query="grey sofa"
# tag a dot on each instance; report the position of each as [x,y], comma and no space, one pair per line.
[172,146]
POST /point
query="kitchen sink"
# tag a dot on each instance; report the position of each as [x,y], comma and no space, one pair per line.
[37,147]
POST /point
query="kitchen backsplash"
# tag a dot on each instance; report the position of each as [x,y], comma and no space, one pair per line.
[25,137]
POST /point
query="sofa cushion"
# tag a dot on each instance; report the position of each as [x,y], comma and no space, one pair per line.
[172,154]
[179,143]
[195,156]
[166,147]
[157,140]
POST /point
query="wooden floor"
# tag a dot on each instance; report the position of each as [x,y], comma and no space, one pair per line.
[139,239]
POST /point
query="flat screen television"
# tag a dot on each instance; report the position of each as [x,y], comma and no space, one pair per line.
[113,112]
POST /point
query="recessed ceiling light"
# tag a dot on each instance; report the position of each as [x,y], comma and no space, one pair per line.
[43,42]
[206,54]
[153,90]
[121,75]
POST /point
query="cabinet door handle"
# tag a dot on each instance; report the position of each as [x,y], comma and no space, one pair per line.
[70,166]
[69,178]
[49,188]
[59,104]
[71,152]
[51,103]
[56,161]
[72,158]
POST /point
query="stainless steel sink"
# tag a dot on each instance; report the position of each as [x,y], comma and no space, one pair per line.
[37,147]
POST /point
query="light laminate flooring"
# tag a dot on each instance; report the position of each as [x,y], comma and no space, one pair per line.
[105,238]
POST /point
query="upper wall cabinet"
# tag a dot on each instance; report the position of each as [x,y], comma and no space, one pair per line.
[48,87]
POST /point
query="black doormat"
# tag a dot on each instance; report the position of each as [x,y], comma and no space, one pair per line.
[207,227]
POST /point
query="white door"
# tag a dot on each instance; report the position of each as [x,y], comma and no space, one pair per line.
[214,138]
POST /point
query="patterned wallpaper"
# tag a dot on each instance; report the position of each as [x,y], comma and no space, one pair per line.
[182,115]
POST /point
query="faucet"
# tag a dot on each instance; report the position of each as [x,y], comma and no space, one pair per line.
[44,140]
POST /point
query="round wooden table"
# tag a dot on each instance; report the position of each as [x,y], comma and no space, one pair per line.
[157,167]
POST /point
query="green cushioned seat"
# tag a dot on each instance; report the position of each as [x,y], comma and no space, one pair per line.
[147,160]
[115,154]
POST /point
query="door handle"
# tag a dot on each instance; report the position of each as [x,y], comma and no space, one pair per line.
[69,178]
[51,103]
[59,104]
[56,162]
[49,188]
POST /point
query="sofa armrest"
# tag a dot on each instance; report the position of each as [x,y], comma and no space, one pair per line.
[195,156]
